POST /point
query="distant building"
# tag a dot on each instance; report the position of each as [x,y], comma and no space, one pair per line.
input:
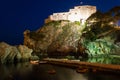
[79,13]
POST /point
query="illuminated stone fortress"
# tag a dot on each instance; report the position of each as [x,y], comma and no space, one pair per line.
[79,13]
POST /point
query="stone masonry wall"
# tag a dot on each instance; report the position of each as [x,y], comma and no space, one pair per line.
[79,13]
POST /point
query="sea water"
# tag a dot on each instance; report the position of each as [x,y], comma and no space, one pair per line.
[28,71]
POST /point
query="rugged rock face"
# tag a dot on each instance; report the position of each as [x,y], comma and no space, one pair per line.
[25,52]
[9,54]
[63,38]
[99,35]
[55,37]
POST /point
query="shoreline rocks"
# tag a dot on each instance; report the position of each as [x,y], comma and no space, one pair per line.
[11,54]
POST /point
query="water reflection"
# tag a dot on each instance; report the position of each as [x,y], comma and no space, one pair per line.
[104,60]
[27,71]
[103,76]
[62,73]
[14,72]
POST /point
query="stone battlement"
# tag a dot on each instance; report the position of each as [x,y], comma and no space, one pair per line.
[79,13]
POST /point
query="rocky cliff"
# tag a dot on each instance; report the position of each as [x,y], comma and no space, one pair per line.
[99,35]
[10,54]
[62,38]
[55,37]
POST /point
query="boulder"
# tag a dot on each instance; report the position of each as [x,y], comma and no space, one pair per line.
[7,52]
[10,54]
[25,52]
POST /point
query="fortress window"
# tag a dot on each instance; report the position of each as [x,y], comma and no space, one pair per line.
[69,13]
[63,14]
[75,13]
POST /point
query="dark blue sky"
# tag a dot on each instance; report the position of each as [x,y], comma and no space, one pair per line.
[19,15]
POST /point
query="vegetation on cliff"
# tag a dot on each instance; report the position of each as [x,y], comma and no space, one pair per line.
[98,36]
[101,35]
[54,38]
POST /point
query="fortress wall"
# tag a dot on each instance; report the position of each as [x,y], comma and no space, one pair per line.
[74,16]
[86,11]
[77,7]
[77,14]
[55,16]
[59,16]
[73,10]
[63,16]
[81,13]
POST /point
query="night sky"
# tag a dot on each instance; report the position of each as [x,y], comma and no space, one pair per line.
[18,15]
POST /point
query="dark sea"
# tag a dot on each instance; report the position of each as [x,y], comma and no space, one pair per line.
[28,71]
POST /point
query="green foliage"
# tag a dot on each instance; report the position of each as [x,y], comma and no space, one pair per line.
[52,23]
[103,46]
[103,60]
[70,57]
[111,59]
[77,22]
[99,36]
[66,27]
[99,47]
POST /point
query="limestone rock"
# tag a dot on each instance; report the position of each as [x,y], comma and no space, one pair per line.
[54,37]
[7,52]
[25,52]
[62,38]
[10,54]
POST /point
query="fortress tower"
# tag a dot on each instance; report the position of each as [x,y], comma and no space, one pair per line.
[79,13]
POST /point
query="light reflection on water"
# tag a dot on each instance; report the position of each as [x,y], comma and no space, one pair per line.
[104,60]
[27,71]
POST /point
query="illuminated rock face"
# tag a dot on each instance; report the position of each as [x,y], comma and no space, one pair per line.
[55,38]
[79,13]
[64,35]
[10,54]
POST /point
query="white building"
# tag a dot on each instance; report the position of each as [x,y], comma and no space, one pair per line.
[79,13]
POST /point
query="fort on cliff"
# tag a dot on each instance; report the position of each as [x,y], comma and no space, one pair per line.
[79,13]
